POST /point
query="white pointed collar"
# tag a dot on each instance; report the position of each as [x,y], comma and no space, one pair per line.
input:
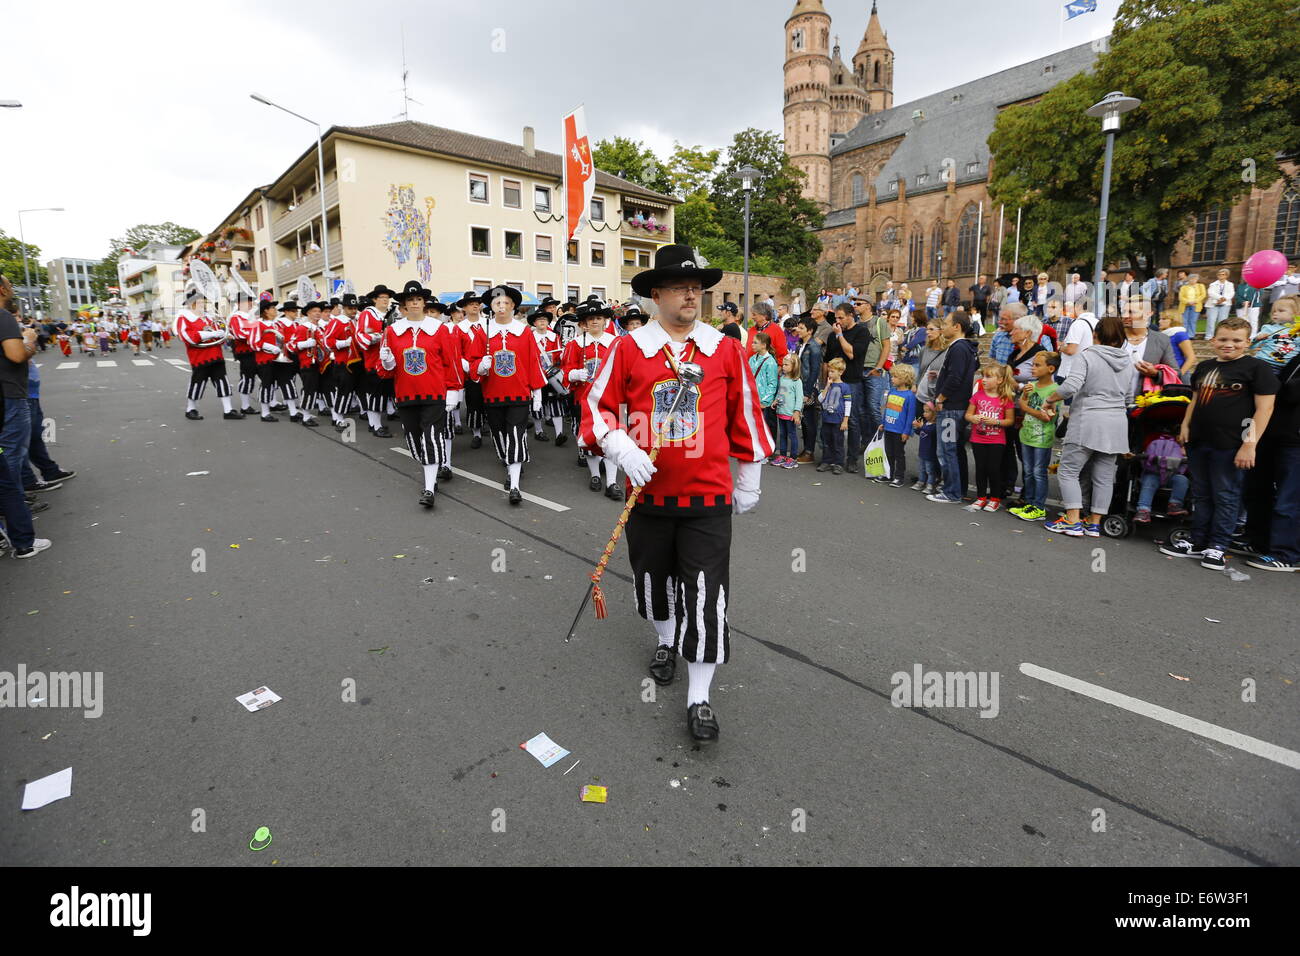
[651,337]
[605,339]
[428,325]
[514,327]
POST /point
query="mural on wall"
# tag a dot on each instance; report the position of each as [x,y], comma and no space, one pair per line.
[406,228]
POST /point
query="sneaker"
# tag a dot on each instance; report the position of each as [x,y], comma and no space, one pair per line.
[1030,513]
[896,483]
[930,489]
[1143,516]
[47,486]
[1176,509]
[836,470]
[1243,548]
[918,486]
[805,459]
[824,466]
[994,505]
[62,476]
[851,467]
[1092,530]
[943,499]
[1214,560]
[1061,526]
[1182,549]
[1267,562]
[38,545]
[977,505]
[790,463]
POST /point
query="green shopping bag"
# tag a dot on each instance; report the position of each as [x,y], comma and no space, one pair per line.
[874,462]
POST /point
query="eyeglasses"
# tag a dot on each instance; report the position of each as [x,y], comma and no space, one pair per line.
[683,290]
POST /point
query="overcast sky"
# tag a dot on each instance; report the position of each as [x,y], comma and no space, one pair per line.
[140,112]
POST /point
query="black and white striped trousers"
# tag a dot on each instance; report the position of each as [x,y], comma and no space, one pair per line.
[311,386]
[553,405]
[277,374]
[372,392]
[509,426]
[425,427]
[215,372]
[343,381]
[681,571]
[474,417]
[247,371]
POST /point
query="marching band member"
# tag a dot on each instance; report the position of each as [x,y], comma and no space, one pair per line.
[509,368]
[337,337]
[455,378]
[369,332]
[281,344]
[582,357]
[419,354]
[553,398]
[679,531]
[473,331]
[240,327]
[203,342]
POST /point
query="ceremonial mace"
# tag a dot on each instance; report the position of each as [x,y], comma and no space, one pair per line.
[689,375]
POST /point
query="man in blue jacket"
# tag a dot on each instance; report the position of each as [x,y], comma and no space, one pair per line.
[951,396]
[810,370]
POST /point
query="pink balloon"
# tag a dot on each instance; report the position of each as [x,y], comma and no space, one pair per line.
[1264,268]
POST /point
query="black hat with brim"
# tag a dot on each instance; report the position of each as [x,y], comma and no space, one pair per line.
[632,312]
[515,295]
[437,306]
[674,263]
[289,306]
[548,301]
[349,299]
[467,299]
[379,290]
[411,290]
[313,305]
[267,304]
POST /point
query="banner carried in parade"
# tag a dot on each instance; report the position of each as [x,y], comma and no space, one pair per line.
[579,171]
[1079,7]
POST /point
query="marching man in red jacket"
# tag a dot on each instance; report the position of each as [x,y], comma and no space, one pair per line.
[240,326]
[473,341]
[582,357]
[203,342]
[509,369]
[679,532]
[418,353]
[369,331]
[455,380]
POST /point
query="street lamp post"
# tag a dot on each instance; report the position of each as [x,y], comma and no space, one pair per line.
[22,241]
[747,175]
[320,166]
[1108,111]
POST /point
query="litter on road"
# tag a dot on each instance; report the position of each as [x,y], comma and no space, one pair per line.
[594,794]
[48,789]
[258,699]
[546,750]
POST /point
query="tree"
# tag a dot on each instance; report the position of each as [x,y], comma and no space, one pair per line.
[11,261]
[1220,90]
[633,161]
[690,171]
[136,238]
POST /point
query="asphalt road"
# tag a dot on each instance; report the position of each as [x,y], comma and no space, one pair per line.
[450,625]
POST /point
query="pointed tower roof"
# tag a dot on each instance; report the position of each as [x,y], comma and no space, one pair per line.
[874,38]
[807,6]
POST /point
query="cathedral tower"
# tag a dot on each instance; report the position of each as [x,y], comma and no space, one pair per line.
[807,96]
[873,65]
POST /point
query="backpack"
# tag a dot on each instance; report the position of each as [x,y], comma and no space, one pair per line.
[1164,457]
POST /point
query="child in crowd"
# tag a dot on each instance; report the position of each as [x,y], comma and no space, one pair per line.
[1232,401]
[789,417]
[1038,434]
[837,405]
[1163,462]
[927,451]
[763,365]
[900,413]
[991,410]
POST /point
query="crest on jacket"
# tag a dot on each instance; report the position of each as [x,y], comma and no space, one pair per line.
[503,362]
[414,361]
[686,420]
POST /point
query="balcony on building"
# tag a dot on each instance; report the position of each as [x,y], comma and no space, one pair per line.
[647,221]
[307,209]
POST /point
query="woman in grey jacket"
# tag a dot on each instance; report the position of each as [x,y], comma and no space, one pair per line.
[1098,383]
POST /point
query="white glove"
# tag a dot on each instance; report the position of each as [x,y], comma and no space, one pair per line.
[211,335]
[484,365]
[271,349]
[386,358]
[619,448]
[745,495]
[464,366]
[453,397]
[578,375]
[341,344]
[307,344]
[537,400]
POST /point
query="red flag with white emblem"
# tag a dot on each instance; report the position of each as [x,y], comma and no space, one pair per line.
[579,171]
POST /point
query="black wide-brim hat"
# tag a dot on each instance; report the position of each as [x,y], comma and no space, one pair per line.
[413,289]
[267,304]
[548,301]
[349,299]
[289,306]
[379,290]
[437,306]
[671,263]
[632,312]
[516,296]
[314,305]
[467,299]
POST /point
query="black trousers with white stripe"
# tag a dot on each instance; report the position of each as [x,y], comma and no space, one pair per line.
[425,426]
[509,426]
[681,569]
[311,386]
[214,372]
[474,417]
[277,375]
[247,372]
[373,392]
[343,382]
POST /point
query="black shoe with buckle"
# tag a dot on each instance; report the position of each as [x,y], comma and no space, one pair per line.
[663,666]
[232,416]
[516,496]
[595,483]
[614,492]
[269,418]
[476,441]
[193,415]
[295,417]
[426,499]
[541,436]
[702,723]
[460,429]
[382,432]
[310,423]
[444,473]
[560,439]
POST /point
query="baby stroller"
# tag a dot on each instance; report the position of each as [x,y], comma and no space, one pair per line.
[1154,422]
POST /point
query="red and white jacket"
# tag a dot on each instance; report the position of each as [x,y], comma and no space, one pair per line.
[199,349]
[369,330]
[427,360]
[584,352]
[473,338]
[308,343]
[457,376]
[240,326]
[721,419]
[339,336]
[516,368]
[274,341]
[549,348]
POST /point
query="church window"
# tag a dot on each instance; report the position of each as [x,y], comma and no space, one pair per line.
[1286,230]
[877,71]
[859,194]
[936,249]
[796,40]
[966,233]
[916,252]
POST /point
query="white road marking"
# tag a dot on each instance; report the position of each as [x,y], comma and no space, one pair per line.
[107,363]
[66,365]
[141,362]
[175,362]
[545,503]
[1260,748]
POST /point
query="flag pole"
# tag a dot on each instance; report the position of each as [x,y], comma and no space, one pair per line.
[564,192]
